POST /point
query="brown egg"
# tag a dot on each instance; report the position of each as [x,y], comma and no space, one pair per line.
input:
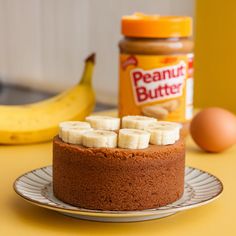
[214,129]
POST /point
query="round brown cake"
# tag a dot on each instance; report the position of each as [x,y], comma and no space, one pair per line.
[116,178]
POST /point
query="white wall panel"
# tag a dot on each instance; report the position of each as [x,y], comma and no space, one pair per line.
[43,42]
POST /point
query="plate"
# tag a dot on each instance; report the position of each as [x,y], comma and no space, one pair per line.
[200,188]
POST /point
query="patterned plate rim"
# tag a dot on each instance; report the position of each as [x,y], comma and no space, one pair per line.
[100,213]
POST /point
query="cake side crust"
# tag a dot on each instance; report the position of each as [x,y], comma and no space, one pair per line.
[118,179]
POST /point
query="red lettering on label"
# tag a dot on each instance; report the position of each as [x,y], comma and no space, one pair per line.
[137,75]
[158,84]
[141,94]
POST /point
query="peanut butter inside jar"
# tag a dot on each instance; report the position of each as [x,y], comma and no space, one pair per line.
[156,68]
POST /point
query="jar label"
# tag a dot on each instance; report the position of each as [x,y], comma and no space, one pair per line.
[157,86]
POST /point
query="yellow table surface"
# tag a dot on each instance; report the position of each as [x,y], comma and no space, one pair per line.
[18,217]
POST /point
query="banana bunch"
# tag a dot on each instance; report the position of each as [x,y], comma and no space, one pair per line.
[38,122]
[104,131]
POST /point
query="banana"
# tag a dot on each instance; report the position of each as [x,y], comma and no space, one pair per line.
[71,131]
[137,122]
[164,133]
[133,139]
[39,121]
[104,122]
[99,138]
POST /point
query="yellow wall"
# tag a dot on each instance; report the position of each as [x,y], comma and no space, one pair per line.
[215,51]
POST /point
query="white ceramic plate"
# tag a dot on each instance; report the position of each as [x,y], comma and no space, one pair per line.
[200,188]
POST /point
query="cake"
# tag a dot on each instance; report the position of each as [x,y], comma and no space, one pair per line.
[117,178]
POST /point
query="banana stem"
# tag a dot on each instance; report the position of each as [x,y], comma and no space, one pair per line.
[88,70]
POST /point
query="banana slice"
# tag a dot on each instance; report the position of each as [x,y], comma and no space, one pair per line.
[104,122]
[71,131]
[100,138]
[137,122]
[133,139]
[164,133]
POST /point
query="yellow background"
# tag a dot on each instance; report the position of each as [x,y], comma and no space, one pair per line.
[21,218]
[215,54]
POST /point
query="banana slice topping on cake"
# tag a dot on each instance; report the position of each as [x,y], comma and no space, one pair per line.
[104,122]
[137,132]
[71,131]
[100,138]
[133,139]
[137,122]
[164,133]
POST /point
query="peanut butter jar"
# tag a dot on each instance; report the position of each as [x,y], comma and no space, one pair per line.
[156,67]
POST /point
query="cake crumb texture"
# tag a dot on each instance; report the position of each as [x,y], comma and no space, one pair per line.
[118,179]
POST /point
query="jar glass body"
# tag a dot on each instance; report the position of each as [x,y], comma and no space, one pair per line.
[155,50]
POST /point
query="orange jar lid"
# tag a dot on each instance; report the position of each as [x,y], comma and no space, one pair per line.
[155,26]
